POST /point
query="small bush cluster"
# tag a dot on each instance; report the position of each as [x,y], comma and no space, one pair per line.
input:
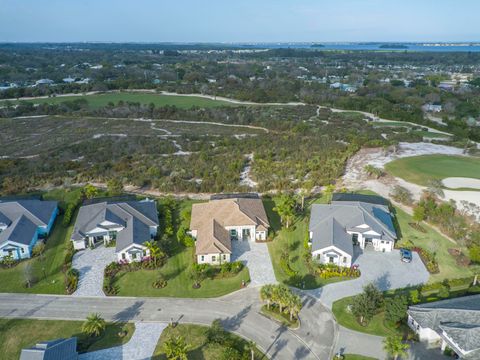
[428,259]
[200,272]
[285,265]
[327,271]
[71,280]
[159,283]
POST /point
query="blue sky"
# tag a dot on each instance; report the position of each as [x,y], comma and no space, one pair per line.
[239,20]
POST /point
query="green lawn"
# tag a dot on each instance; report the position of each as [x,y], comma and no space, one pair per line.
[101,100]
[430,134]
[433,241]
[47,269]
[16,334]
[198,345]
[357,357]
[390,123]
[177,272]
[377,326]
[292,240]
[421,169]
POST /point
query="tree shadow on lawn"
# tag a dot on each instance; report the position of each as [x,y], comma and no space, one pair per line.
[273,217]
[173,273]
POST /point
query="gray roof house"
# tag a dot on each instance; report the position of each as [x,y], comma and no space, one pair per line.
[337,227]
[456,322]
[59,349]
[129,223]
[21,224]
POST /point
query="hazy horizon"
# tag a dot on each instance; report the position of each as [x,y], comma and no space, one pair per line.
[216,21]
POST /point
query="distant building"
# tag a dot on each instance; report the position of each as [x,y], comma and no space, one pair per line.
[60,349]
[432,108]
[455,323]
[44,82]
[446,85]
[69,80]
[344,87]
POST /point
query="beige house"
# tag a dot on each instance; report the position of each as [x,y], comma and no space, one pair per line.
[214,225]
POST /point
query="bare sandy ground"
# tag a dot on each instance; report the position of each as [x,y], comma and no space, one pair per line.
[461,182]
[356,178]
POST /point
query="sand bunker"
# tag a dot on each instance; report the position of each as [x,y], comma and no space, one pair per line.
[461,182]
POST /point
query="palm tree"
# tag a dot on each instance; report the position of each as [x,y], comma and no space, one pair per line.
[252,346]
[394,346]
[176,348]
[279,296]
[266,294]
[294,306]
[94,325]
[285,209]
[155,252]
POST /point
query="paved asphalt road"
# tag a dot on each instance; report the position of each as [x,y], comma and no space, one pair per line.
[239,313]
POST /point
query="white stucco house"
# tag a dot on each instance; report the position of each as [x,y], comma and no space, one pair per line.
[22,223]
[350,220]
[214,225]
[452,323]
[130,224]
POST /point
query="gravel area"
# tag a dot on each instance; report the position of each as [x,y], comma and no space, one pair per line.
[90,264]
[256,257]
[140,347]
[385,270]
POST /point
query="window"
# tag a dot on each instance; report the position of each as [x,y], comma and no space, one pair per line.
[330,259]
[144,252]
[224,257]
[383,242]
[202,258]
[123,256]
[213,258]
[134,256]
[344,259]
[23,251]
[319,256]
[233,234]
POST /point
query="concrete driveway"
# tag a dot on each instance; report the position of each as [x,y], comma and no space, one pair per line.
[257,258]
[90,264]
[385,270]
[140,347]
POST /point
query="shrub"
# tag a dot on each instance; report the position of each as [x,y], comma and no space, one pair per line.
[38,249]
[327,271]
[67,217]
[414,297]
[285,265]
[160,282]
[8,261]
[112,269]
[71,280]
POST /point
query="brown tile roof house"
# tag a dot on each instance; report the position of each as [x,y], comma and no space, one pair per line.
[211,221]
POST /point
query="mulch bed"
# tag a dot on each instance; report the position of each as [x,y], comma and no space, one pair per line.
[418,227]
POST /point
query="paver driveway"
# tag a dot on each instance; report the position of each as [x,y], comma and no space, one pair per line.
[256,257]
[90,264]
[140,347]
[385,270]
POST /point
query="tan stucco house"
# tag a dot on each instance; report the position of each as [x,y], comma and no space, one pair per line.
[215,224]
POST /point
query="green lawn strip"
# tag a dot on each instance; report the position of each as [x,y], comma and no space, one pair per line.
[391,123]
[16,334]
[198,345]
[277,316]
[377,326]
[292,239]
[421,169]
[357,357]
[46,269]
[101,100]
[431,134]
[433,241]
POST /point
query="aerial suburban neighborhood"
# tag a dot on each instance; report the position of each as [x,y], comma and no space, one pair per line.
[239,180]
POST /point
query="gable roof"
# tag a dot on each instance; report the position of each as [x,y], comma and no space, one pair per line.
[60,349]
[23,217]
[135,217]
[330,223]
[210,219]
[459,318]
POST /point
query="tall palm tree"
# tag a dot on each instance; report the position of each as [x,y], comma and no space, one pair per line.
[94,325]
[155,252]
[266,293]
[176,348]
[279,296]
[394,347]
[294,306]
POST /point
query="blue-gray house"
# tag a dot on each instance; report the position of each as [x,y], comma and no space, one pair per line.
[60,349]
[22,223]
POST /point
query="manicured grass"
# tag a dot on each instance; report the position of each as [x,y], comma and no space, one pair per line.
[46,269]
[277,316]
[421,169]
[357,357]
[433,241]
[199,347]
[16,334]
[292,240]
[391,123]
[430,134]
[101,100]
[376,326]
[177,272]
